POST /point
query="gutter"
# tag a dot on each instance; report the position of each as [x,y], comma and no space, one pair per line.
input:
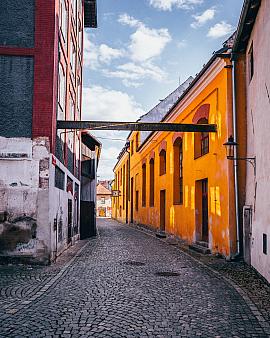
[235,166]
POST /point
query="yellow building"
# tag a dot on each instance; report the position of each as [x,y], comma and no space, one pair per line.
[182,183]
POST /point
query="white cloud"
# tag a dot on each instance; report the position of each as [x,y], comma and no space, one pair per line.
[128,20]
[107,53]
[200,20]
[155,39]
[147,43]
[167,5]
[95,55]
[220,29]
[100,103]
[181,44]
[132,73]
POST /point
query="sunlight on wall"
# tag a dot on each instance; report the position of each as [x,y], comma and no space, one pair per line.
[219,125]
[218,208]
[192,198]
[215,201]
[171,162]
[186,196]
[186,141]
[172,217]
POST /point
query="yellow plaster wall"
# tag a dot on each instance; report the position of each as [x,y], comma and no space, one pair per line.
[180,219]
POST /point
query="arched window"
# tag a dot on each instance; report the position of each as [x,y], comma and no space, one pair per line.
[162,162]
[201,141]
[144,185]
[152,182]
[178,171]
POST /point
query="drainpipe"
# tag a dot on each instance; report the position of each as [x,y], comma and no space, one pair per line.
[235,166]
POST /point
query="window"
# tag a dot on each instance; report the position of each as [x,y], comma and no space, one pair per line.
[251,62]
[61,93]
[71,109]
[152,182]
[63,19]
[162,162]
[144,185]
[73,57]
[79,95]
[102,200]
[124,186]
[137,200]
[201,141]
[178,171]
[265,244]
[59,178]
[69,187]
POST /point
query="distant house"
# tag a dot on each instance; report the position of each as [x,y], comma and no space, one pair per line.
[104,201]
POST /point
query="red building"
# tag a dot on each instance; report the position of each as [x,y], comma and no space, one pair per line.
[41,60]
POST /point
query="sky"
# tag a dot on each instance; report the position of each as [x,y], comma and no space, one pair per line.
[140,52]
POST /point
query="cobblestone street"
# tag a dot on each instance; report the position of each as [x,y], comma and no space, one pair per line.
[124,283]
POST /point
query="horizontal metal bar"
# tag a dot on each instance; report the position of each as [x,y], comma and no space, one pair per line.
[136,126]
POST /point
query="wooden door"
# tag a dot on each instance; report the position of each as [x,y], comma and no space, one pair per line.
[131,199]
[205,210]
[162,210]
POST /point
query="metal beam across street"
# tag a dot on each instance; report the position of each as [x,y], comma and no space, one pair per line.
[136,126]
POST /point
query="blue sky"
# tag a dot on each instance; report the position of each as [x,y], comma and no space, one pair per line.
[139,53]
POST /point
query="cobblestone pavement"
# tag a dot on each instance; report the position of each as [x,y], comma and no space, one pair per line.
[124,283]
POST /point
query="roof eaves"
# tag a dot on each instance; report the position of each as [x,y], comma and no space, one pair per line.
[246,22]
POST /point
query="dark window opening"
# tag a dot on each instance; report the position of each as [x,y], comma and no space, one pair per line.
[178,172]
[152,182]
[137,200]
[265,244]
[201,141]
[162,162]
[144,185]
[59,179]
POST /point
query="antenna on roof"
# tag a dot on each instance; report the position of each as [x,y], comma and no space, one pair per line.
[179,80]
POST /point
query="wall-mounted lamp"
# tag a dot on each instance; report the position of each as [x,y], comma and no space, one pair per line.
[230,148]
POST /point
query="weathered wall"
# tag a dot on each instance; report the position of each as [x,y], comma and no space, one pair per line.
[16,91]
[23,187]
[58,211]
[258,121]
[30,203]
[17,19]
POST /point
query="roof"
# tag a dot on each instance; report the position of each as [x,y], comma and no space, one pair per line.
[101,190]
[160,110]
[246,22]
[90,14]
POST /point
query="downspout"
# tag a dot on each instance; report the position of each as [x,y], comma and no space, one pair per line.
[235,166]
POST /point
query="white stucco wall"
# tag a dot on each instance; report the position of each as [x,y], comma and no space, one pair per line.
[29,201]
[258,123]
[23,164]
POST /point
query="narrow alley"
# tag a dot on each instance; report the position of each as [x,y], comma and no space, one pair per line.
[123,283]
